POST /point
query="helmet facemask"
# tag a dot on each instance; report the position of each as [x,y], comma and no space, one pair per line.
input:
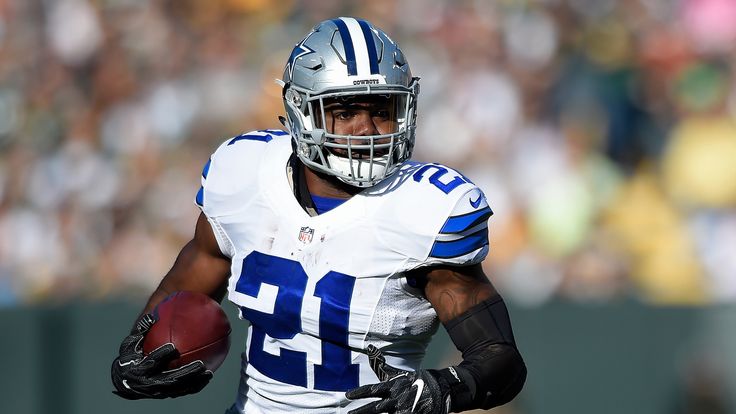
[326,137]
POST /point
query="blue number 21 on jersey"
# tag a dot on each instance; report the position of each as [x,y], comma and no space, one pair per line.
[335,290]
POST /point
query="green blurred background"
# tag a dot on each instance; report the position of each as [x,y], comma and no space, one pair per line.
[602,132]
[621,357]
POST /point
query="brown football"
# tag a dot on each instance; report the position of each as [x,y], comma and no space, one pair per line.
[195,324]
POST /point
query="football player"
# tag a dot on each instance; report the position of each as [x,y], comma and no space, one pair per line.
[343,254]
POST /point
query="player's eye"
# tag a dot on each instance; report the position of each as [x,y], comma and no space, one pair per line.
[343,115]
[380,113]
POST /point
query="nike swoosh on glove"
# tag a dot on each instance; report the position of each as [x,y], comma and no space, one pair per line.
[426,391]
[137,376]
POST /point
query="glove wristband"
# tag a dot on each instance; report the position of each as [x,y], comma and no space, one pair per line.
[453,380]
[143,324]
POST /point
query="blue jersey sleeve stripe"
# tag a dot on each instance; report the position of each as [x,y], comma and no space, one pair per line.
[206,169]
[347,43]
[199,199]
[371,44]
[460,247]
[276,132]
[457,224]
[263,138]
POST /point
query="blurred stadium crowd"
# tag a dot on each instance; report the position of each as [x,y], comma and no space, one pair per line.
[602,131]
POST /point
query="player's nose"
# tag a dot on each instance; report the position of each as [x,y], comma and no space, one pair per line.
[364,125]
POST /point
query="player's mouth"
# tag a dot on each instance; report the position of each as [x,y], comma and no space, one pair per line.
[360,154]
[360,149]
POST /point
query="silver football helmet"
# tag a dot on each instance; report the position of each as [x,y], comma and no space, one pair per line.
[341,61]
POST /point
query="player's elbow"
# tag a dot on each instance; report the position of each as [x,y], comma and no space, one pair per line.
[499,372]
[514,373]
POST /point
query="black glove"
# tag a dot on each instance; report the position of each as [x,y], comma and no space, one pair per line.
[137,376]
[426,391]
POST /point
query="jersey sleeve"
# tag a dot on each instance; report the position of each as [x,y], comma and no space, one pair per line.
[436,216]
[230,175]
[229,180]
[463,237]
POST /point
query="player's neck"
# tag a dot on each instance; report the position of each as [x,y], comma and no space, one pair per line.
[322,185]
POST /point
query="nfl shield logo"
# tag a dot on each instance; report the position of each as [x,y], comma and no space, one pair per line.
[306,234]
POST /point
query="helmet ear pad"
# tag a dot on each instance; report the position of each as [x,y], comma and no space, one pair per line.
[297,122]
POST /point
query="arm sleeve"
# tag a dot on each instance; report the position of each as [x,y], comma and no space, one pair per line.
[492,371]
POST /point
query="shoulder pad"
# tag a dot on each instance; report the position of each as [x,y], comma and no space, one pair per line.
[441,213]
[229,178]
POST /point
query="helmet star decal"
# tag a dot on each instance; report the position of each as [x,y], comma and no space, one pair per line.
[299,50]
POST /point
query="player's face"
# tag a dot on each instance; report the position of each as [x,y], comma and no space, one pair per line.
[361,116]
[358,117]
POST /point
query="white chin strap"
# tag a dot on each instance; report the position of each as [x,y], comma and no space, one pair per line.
[361,168]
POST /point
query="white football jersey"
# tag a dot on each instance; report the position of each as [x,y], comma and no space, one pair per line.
[318,290]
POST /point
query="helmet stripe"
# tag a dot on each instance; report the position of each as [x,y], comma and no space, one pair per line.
[347,43]
[368,35]
[359,44]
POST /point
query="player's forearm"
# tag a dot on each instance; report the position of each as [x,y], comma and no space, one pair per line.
[494,376]
[193,271]
[174,281]
[156,297]
[492,367]
[199,267]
